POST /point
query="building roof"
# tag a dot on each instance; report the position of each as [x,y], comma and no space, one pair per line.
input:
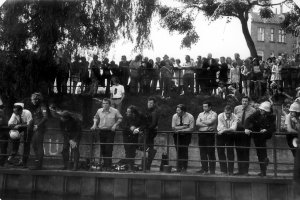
[274,20]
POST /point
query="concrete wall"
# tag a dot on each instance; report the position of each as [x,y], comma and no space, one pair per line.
[91,185]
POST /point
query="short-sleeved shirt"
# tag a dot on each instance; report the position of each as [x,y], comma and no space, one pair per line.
[25,116]
[107,118]
[117,91]
[226,123]
[187,119]
[204,116]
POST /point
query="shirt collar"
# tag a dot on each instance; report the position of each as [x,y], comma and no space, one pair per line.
[109,110]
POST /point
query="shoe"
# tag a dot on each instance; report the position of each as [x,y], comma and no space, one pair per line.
[177,170]
[21,164]
[238,174]
[223,173]
[183,170]
[230,173]
[262,174]
[10,160]
[37,165]
[203,172]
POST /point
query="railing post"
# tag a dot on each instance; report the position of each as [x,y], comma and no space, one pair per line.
[168,147]
[275,155]
[144,150]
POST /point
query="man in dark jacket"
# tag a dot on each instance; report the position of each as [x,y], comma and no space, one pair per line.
[261,126]
[40,116]
[133,125]
[70,124]
[152,117]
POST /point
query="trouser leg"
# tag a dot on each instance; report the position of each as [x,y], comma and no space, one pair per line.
[221,153]
[107,137]
[203,151]
[230,152]
[211,152]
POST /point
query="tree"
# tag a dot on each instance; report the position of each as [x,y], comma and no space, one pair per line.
[39,27]
[175,18]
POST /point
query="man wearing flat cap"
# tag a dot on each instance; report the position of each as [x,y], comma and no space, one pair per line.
[40,116]
[71,125]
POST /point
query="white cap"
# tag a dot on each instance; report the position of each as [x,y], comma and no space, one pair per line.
[19,104]
[14,134]
[295,107]
[266,106]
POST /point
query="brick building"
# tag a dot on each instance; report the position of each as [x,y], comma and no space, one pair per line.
[269,38]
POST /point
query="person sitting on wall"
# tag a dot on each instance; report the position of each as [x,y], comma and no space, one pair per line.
[70,124]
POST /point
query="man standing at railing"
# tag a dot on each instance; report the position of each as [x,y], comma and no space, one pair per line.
[107,119]
[188,75]
[207,123]
[40,116]
[152,117]
[227,123]
[242,140]
[182,122]
[262,122]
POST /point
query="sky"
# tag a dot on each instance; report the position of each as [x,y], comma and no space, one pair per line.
[217,37]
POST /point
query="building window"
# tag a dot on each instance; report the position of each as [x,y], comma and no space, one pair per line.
[261,34]
[272,35]
[281,36]
[260,55]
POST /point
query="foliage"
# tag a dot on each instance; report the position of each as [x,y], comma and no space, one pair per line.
[291,23]
[32,31]
[174,18]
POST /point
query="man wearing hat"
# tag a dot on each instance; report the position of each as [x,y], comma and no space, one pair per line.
[292,122]
[40,116]
[20,122]
[70,123]
[261,126]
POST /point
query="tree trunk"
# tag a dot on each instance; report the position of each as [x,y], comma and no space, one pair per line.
[248,37]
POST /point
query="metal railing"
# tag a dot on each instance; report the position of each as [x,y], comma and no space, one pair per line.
[167,135]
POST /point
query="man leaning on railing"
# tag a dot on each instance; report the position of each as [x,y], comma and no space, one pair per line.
[262,122]
[227,123]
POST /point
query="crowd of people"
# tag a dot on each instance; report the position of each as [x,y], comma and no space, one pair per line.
[207,75]
[234,129]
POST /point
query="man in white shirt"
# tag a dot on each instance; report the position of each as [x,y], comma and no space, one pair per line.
[188,76]
[207,123]
[182,122]
[117,93]
[227,124]
[21,120]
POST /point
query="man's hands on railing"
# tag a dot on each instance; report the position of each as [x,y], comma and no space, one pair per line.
[94,127]
[247,131]
[263,130]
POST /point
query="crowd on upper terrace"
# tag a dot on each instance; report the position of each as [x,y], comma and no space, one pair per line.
[205,75]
